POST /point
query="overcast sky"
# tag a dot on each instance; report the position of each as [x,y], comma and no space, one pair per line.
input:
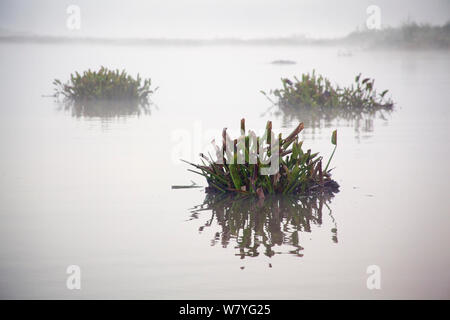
[213,18]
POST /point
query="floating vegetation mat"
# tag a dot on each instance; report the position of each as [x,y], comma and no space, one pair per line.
[104,93]
[317,92]
[270,164]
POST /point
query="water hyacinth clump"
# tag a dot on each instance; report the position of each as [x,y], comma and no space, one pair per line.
[316,91]
[104,84]
[298,171]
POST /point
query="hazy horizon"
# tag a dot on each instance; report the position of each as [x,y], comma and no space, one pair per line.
[204,19]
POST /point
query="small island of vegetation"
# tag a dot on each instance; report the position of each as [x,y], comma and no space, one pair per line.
[104,93]
[299,172]
[316,91]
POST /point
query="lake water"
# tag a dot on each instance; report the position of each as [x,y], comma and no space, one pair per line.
[96,192]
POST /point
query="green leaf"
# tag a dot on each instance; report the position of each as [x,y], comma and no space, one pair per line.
[334,137]
[235,176]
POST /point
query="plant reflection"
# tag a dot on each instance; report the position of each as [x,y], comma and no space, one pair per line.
[317,118]
[271,226]
[105,109]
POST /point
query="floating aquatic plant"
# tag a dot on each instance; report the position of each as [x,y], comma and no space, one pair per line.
[104,94]
[297,171]
[104,84]
[316,91]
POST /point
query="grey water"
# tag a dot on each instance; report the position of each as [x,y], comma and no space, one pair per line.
[94,190]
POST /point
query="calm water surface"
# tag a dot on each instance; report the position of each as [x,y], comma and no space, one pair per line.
[95,191]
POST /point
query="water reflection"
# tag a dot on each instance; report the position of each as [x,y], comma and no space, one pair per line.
[105,109]
[273,226]
[317,118]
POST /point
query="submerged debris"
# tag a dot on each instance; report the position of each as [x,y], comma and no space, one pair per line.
[192,186]
[283,62]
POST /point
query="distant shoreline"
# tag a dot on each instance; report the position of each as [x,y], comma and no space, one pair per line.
[164,41]
[408,36]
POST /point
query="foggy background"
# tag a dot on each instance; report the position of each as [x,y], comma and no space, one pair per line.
[210,19]
[96,191]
